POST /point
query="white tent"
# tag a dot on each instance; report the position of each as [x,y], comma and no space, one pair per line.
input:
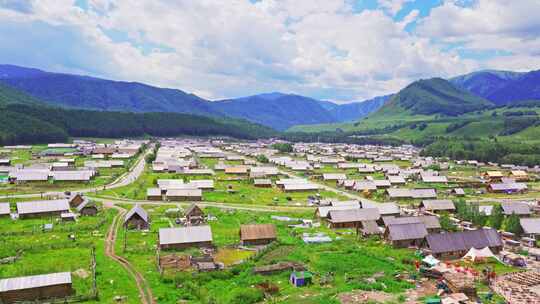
[479,254]
[430,260]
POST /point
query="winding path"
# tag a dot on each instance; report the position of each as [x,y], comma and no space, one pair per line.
[145,293]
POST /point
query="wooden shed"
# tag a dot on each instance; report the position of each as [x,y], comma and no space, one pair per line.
[37,287]
[257,234]
[137,218]
[194,214]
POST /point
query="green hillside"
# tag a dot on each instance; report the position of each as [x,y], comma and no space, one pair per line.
[9,95]
[26,120]
[433,96]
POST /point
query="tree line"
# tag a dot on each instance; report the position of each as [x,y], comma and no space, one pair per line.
[41,124]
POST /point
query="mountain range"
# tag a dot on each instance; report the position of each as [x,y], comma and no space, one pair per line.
[277,110]
[280,111]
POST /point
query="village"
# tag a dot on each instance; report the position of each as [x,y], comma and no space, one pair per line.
[215,220]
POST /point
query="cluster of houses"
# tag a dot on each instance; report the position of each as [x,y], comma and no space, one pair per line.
[61,208]
[420,228]
[57,163]
[195,231]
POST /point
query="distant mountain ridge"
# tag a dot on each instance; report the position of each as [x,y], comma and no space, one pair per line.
[501,87]
[277,110]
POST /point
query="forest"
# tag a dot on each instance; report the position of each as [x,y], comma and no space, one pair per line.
[25,123]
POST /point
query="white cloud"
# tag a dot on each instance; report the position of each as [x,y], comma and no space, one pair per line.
[220,49]
[510,28]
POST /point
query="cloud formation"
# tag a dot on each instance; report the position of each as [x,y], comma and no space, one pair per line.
[329,49]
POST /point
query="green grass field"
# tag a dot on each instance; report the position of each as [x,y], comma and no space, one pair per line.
[345,264]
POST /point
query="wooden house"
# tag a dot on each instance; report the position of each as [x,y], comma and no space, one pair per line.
[87,208]
[437,206]
[508,188]
[406,235]
[519,175]
[262,183]
[42,208]
[531,227]
[520,209]
[185,237]
[137,218]
[493,176]
[184,195]
[257,234]
[352,218]
[457,244]
[154,194]
[36,288]
[194,214]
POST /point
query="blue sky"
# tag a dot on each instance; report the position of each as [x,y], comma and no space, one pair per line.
[341,50]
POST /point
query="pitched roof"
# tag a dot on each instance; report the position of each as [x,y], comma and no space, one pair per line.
[438,204]
[355,215]
[323,211]
[334,176]
[384,208]
[257,232]
[370,227]
[463,241]
[410,231]
[182,235]
[137,210]
[35,281]
[530,225]
[516,208]
[508,186]
[431,222]
[32,207]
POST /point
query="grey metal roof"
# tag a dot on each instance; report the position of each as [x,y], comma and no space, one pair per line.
[323,211]
[516,208]
[181,235]
[463,241]
[35,281]
[384,208]
[4,208]
[530,225]
[444,204]
[355,215]
[42,206]
[410,231]
[137,210]
[431,222]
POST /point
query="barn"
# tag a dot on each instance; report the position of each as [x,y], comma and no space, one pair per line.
[185,237]
[257,234]
[42,208]
[37,287]
[457,244]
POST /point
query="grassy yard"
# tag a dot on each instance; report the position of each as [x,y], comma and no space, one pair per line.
[342,265]
[54,251]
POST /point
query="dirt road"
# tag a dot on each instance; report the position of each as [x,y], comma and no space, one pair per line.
[145,293]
